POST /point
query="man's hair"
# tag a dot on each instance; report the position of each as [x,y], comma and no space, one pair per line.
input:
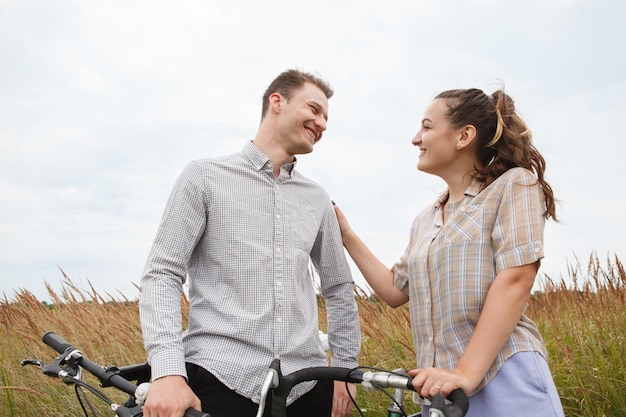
[291,80]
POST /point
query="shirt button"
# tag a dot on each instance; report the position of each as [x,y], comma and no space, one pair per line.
[278,216]
[537,250]
[277,249]
[279,319]
[463,208]
[279,283]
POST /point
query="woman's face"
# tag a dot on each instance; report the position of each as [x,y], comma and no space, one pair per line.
[436,140]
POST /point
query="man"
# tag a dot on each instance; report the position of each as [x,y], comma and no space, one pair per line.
[242,228]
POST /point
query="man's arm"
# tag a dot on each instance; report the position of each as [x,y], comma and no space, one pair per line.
[337,288]
[182,224]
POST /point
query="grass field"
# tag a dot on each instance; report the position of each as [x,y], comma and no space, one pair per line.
[582,320]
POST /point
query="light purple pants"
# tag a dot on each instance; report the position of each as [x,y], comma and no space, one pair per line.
[523,388]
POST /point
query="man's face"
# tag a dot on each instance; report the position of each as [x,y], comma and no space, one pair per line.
[302,119]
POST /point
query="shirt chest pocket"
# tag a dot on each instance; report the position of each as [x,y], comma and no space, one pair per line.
[303,227]
[464,225]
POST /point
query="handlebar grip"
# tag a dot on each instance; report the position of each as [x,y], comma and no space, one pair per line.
[56,342]
[192,412]
[458,407]
[460,403]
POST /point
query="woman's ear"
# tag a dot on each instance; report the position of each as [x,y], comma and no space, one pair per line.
[467,136]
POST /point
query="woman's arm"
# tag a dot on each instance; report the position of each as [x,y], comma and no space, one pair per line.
[503,308]
[504,305]
[377,275]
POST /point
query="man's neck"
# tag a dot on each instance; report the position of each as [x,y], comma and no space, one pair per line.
[276,153]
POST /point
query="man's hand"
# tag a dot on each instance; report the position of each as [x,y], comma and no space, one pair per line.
[170,396]
[342,404]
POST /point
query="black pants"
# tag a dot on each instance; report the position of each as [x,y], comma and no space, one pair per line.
[220,401]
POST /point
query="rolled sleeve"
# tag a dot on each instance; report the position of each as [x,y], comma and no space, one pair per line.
[518,231]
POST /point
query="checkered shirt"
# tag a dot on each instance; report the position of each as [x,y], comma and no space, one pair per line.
[244,240]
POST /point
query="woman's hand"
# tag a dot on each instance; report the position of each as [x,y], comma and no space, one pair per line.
[377,275]
[431,381]
[343,221]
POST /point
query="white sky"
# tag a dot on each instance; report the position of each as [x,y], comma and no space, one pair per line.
[102,104]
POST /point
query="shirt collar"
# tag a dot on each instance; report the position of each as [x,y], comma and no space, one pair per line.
[472,190]
[260,161]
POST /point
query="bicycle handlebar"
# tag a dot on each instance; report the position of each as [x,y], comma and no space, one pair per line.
[458,407]
[281,385]
[59,344]
[381,379]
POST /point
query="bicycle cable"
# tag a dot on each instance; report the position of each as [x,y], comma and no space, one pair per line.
[378,387]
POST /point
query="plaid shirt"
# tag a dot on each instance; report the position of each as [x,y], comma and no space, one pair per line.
[448,267]
[244,239]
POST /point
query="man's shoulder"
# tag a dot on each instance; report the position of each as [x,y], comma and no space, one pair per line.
[216,161]
[310,183]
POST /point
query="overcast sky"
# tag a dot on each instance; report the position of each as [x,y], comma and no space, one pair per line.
[102,104]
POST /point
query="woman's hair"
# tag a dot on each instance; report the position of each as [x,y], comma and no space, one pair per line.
[291,80]
[503,138]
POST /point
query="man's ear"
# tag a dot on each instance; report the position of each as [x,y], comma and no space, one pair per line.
[466,137]
[275,102]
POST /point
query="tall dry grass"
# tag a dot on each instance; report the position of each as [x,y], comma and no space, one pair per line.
[582,320]
[106,330]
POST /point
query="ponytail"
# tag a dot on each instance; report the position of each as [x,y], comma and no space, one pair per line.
[514,148]
[504,141]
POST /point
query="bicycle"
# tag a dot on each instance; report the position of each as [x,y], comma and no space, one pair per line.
[68,367]
[69,364]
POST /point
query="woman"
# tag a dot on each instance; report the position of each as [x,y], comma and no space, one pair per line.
[472,259]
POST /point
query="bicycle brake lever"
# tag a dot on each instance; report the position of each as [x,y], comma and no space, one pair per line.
[35,362]
[53,370]
[122,411]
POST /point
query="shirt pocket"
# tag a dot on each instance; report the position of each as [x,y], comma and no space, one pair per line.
[304,226]
[464,225]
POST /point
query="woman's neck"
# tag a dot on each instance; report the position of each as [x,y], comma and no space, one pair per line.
[457,186]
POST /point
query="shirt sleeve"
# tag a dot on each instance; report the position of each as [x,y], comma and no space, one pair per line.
[328,256]
[181,227]
[401,268]
[519,225]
